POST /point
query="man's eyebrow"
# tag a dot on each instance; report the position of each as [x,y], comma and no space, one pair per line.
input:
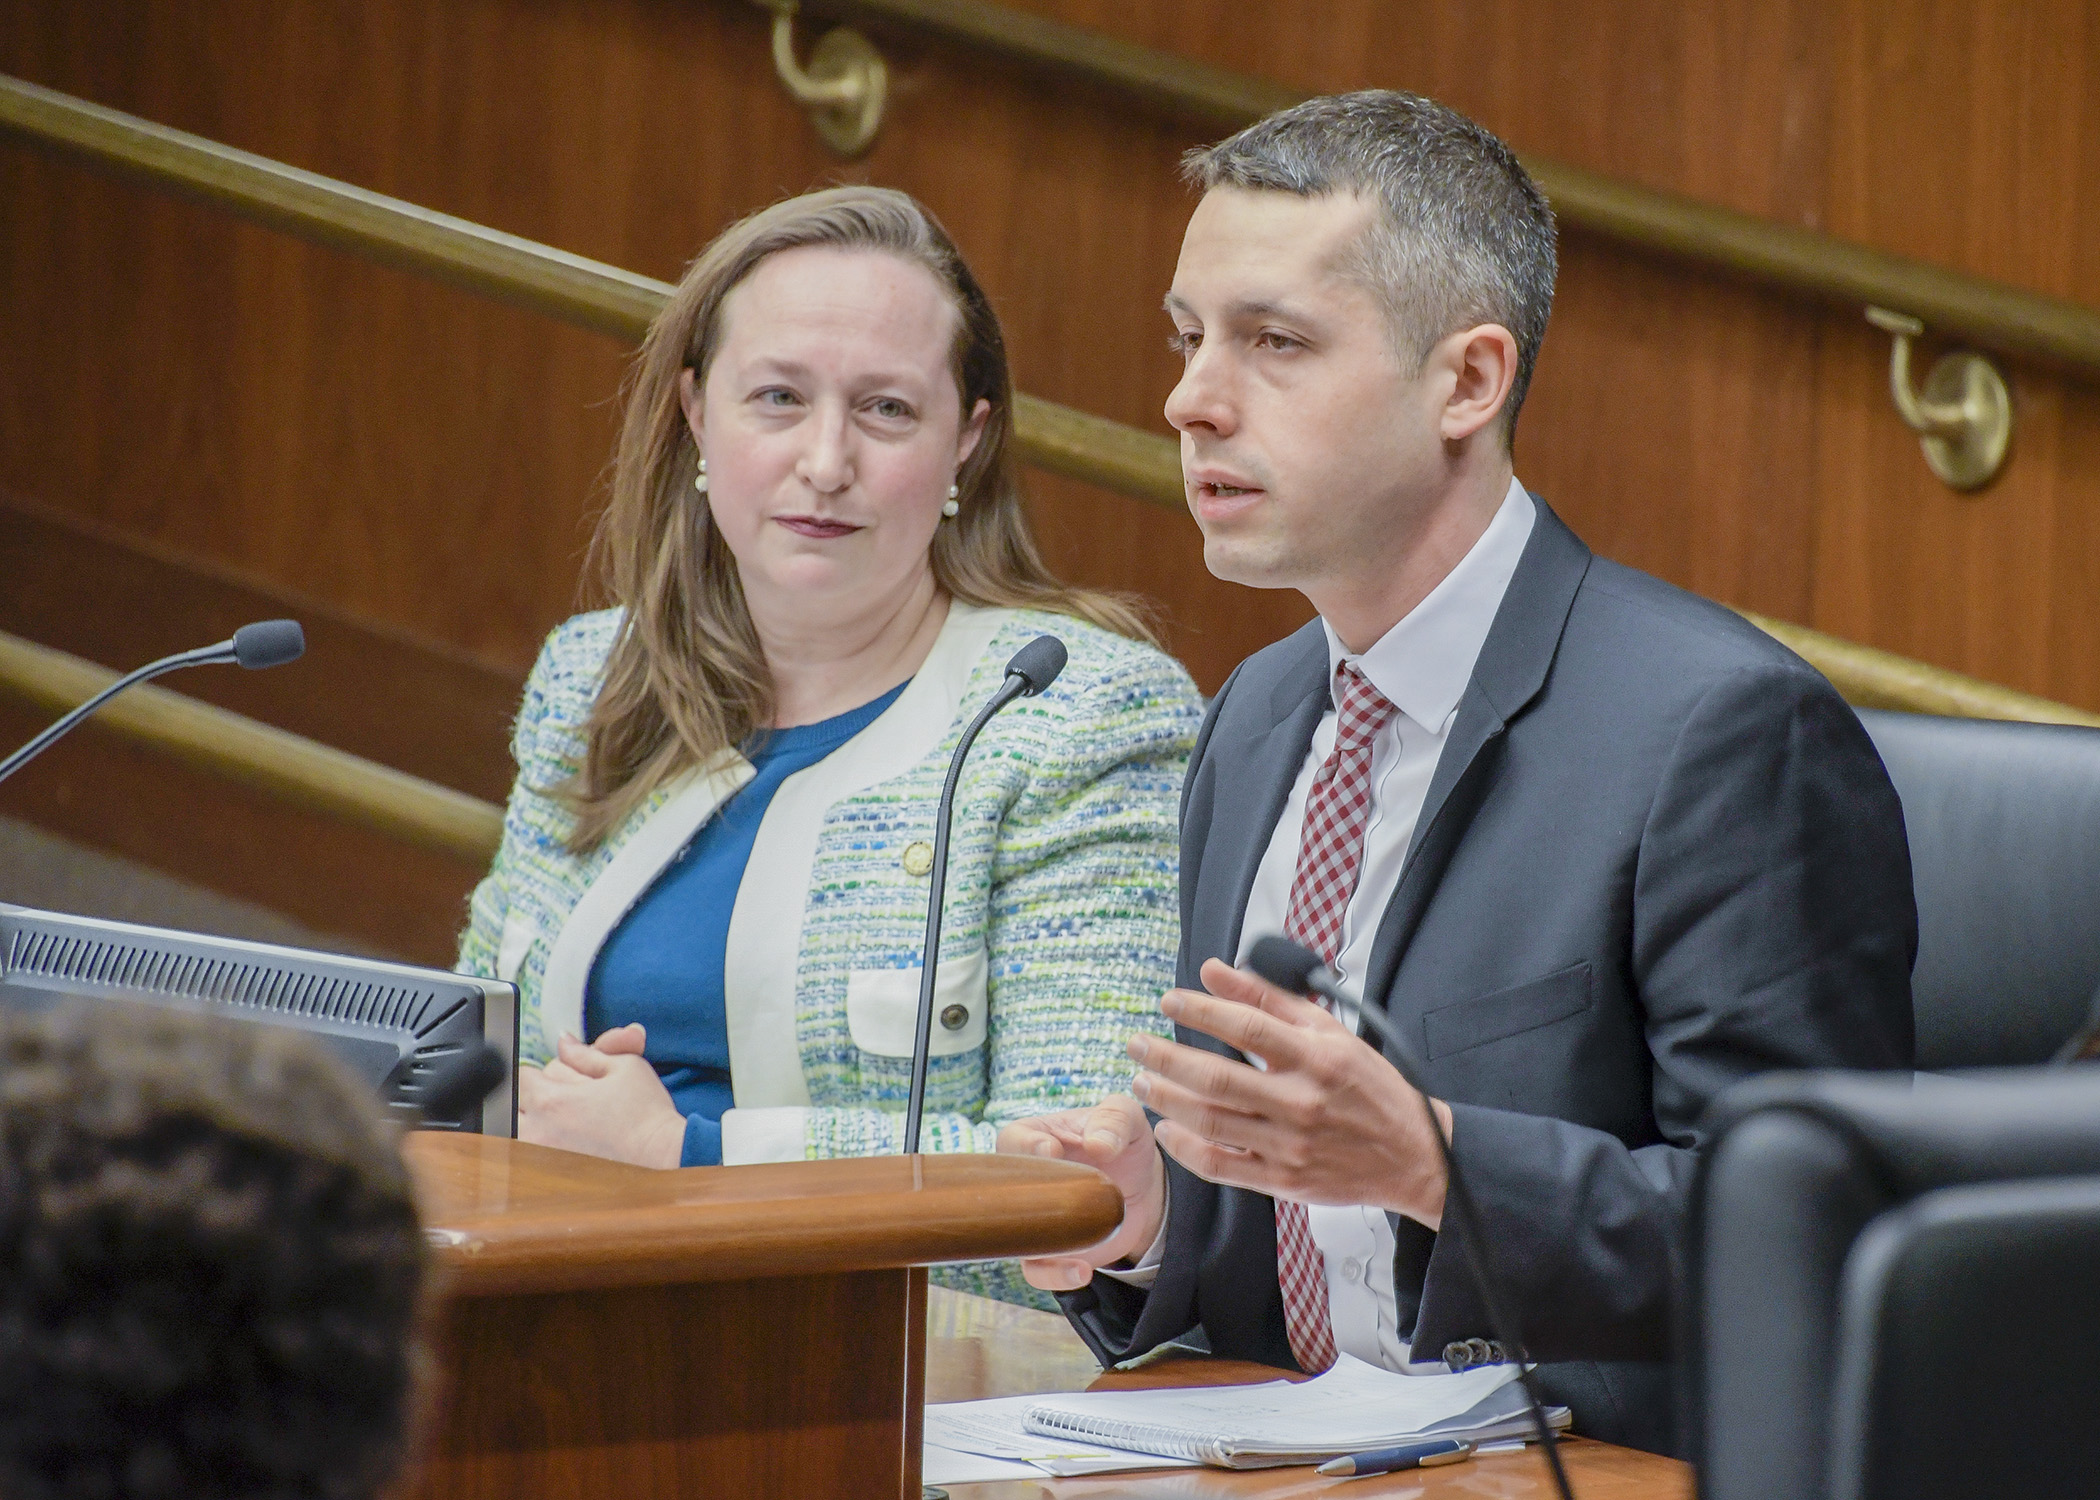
[1261,307]
[1246,310]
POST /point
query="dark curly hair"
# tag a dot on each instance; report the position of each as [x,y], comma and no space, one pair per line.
[211,1270]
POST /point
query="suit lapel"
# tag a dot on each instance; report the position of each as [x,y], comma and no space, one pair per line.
[1513,666]
[1251,774]
[1256,785]
[1250,764]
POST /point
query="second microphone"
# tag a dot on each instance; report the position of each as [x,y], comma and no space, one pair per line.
[1034,667]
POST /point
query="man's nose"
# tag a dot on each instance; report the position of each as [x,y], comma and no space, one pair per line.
[1201,399]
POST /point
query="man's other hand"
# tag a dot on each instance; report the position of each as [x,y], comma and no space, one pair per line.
[1116,1138]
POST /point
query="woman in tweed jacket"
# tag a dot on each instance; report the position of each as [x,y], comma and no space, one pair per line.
[1059,926]
[825,372]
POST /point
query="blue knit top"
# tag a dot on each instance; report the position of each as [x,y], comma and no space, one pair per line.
[663,965]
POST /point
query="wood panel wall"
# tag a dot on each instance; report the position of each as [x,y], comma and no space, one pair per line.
[422,464]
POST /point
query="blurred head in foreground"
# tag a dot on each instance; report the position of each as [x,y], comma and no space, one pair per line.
[211,1268]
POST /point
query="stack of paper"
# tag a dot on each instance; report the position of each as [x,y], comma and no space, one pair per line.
[969,1441]
[1353,1408]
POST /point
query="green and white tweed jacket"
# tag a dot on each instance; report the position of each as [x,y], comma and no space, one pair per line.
[1061,918]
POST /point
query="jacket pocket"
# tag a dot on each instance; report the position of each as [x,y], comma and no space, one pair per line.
[1507,1013]
[882,1008]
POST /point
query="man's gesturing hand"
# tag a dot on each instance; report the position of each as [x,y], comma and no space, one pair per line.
[1331,1121]
[1115,1137]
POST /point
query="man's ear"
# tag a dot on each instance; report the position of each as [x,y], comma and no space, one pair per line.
[1482,363]
[690,400]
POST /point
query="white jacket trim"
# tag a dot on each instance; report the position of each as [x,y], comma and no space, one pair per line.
[751,1136]
[621,883]
[765,928]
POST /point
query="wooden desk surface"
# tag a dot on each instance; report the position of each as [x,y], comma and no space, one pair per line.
[506,1217]
[977,1348]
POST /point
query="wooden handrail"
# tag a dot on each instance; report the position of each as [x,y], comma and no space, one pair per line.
[272,760]
[1872,678]
[568,287]
[524,273]
[608,300]
[2063,334]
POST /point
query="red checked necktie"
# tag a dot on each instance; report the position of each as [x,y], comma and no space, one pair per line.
[1330,857]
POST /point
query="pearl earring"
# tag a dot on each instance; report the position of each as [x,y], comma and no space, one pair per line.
[954,506]
[700,479]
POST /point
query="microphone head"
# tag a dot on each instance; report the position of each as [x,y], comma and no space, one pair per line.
[1285,964]
[268,643]
[1038,663]
[459,1083]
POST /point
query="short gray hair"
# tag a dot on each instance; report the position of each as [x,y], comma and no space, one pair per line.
[1463,235]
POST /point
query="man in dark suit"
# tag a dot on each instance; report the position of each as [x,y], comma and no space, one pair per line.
[1597,845]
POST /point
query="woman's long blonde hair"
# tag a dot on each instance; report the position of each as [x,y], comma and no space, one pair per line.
[687,678]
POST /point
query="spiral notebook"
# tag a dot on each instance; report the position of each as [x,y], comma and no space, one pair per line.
[1353,1408]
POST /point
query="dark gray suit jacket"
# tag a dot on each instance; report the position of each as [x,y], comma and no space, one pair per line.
[1659,854]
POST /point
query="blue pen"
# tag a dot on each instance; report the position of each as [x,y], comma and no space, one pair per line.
[1425,1455]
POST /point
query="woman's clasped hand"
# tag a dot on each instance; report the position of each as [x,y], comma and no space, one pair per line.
[603,1098]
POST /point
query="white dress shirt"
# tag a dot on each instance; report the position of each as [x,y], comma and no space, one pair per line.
[1421,665]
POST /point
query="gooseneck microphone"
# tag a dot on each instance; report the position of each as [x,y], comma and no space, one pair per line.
[1034,667]
[1294,967]
[267,643]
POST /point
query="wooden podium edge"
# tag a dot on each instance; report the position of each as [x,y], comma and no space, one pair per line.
[506,1218]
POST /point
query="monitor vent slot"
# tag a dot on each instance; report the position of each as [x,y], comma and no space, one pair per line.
[98,963]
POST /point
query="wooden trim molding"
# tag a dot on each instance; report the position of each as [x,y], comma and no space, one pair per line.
[403,700]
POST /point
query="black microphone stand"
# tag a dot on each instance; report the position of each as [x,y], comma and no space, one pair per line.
[1034,667]
[1294,967]
[267,643]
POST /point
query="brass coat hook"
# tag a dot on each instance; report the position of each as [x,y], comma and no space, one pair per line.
[1963,416]
[844,87]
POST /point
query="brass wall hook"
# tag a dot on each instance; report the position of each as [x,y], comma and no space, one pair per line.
[844,87]
[1963,416]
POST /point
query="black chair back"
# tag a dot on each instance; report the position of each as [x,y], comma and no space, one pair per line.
[1800,1167]
[2004,825]
[1965,1346]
